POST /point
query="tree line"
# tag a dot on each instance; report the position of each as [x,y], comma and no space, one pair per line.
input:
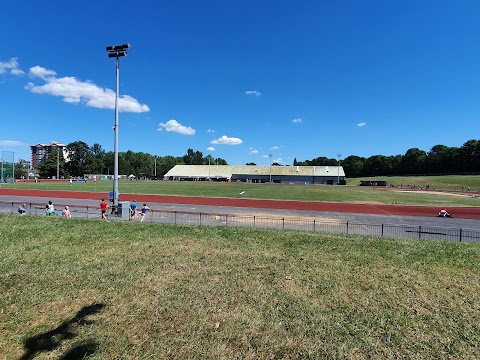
[84,159]
[439,160]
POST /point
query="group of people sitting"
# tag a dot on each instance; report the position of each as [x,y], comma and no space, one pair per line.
[49,210]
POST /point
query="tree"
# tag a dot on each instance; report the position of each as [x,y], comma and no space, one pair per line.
[96,159]
[193,157]
[413,161]
[49,168]
[220,161]
[470,154]
[78,158]
[20,171]
[165,163]
[251,163]
[353,166]
[377,165]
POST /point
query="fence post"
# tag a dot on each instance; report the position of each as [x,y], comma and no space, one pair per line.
[420,232]
[87,211]
[283,223]
[313,225]
[12,207]
[226,220]
[253,220]
[175,217]
[347,227]
[200,214]
[382,230]
[460,235]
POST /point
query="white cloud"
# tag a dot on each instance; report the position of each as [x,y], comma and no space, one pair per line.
[278,160]
[253,151]
[361,124]
[10,66]
[253,92]
[297,121]
[75,91]
[41,72]
[11,143]
[210,131]
[210,148]
[175,126]
[274,148]
[225,140]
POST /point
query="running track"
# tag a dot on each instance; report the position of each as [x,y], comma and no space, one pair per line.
[461,212]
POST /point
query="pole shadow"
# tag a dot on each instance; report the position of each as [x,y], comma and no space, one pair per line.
[52,339]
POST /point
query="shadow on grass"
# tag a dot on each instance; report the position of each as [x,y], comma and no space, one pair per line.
[52,339]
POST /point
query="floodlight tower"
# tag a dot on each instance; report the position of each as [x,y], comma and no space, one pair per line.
[270,156]
[338,169]
[116,51]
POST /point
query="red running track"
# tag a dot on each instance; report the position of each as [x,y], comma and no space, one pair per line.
[462,212]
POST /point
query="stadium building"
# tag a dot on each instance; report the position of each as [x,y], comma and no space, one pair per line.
[327,175]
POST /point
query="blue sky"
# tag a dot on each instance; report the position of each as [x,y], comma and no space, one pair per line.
[242,79]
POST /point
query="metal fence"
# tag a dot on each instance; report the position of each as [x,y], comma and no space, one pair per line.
[252,221]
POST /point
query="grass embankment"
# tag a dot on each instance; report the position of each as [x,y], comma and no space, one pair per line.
[124,290]
[349,194]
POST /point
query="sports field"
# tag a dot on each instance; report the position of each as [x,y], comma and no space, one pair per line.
[318,193]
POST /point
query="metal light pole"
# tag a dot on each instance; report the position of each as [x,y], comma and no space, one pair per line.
[116,52]
[58,163]
[338,169]
[270,156]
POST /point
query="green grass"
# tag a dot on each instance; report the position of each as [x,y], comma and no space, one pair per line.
[350,194]
[150,291]
[448,182]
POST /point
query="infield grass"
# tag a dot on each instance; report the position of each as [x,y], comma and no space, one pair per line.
[123,290]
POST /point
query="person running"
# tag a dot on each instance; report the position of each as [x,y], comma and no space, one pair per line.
[143,214]
[66,212]
[133,210]
[103,206]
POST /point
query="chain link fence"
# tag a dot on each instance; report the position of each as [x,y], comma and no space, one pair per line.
[252,221]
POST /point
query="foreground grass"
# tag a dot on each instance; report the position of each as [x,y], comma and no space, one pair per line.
[123,290]
[350,194]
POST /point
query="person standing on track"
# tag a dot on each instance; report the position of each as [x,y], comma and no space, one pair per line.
[103,207]
[133,210]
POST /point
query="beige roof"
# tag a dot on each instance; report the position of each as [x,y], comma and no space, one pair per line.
[226,171]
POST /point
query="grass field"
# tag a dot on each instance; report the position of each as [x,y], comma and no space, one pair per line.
[143,291]
[350,194]
[448,182]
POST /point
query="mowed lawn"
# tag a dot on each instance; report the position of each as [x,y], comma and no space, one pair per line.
[120,290]
[349,194]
